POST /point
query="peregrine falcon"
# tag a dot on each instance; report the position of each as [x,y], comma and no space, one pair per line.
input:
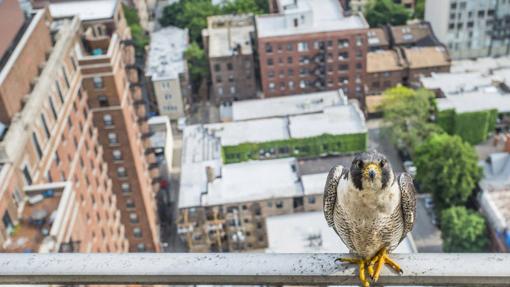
[371,210]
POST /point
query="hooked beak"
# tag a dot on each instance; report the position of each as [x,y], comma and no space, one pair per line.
[371,171]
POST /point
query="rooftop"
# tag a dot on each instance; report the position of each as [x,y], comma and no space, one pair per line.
[418,33]
[495,198]
[86,10]
[334,120]
[286,106]
[308,232]
[311,16]
[39,228]
[377,38]
[473,85]
[230,35]
[426,57]
[165,59]
[383,61]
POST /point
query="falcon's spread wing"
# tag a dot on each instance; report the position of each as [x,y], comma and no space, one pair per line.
[407,202]
[334,176]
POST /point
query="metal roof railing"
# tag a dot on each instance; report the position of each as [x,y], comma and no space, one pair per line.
[247,269]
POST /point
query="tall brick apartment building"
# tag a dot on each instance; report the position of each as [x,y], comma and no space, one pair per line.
[106,60]
[56,195]
[228,40]
[311,46]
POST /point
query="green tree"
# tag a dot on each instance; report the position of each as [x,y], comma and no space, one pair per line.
[447,167]
[382,12]
[419,9]
[463,230]
[197,65]
[241,7]
[138,35]
[192,14]
[407,113]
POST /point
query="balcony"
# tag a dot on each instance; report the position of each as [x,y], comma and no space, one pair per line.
[247,269]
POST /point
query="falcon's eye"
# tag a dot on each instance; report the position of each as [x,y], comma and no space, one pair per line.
[359,164]
[383,163]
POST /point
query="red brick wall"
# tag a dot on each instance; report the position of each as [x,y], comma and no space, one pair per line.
[11,20]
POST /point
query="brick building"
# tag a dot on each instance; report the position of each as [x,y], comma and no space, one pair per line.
[56,195]
[11,21]
[106,60]
[228,40]
[403,54]
[311,46]
[223,206]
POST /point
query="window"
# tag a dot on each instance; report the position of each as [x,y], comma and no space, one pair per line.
[117,154]
[232,90]
[343,43]
[52,107]
[270,62]
[230,67]
[45,126]
[98,82]
[291,85]
[269,48]
[279,204]
[121,171]
[130,203]
[289,60]
[107,119]
[112,138]
[290,72]
[302,84]
[359,41]
[103,101]
[217,67]
[133,217]
[37,146]
[343,80]
[125,187]
[140,247]
[65,77]
[137,232]
[302,46]
[218,79]
[343,67]
[311,200]
[59,91]
[343,56]
[26,174]
[359,66]
[271,86]
[289,47]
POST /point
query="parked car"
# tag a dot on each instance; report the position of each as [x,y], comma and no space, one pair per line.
[429,203]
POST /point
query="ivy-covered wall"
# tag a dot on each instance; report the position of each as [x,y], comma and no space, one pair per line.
[325,144]
[473,127]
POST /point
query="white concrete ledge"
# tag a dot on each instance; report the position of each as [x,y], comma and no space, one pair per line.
[246,269]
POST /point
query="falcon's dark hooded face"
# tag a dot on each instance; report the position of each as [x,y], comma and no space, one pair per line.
[371,170]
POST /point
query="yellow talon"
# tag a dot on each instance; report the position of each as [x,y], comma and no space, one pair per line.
[361,264]
[383,258]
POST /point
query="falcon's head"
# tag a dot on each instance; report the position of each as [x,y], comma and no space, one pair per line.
[371,171]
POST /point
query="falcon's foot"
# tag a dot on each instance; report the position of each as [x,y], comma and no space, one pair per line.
[379,260]
[361,264]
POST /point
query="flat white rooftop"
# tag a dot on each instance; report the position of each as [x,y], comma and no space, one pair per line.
[165,59]
[244,182]
[335,120]
[473,85]
[86,10]
[232,38]
[308,232]
[255,131]
[313,16]
[286,106]
[314,183]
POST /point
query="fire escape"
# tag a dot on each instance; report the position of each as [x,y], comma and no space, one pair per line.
[319,72]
